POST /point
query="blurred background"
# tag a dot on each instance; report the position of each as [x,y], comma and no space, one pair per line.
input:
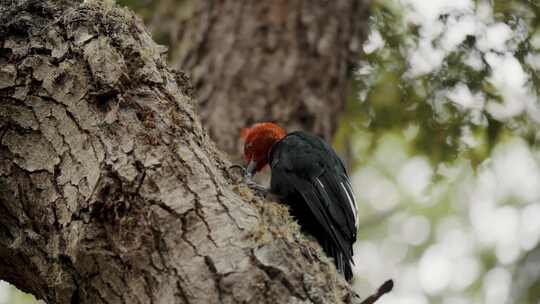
[441,131]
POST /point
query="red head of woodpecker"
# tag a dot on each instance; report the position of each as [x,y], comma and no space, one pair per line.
[311,179]
[258,142]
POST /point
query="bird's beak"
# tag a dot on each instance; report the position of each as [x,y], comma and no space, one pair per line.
[251,167]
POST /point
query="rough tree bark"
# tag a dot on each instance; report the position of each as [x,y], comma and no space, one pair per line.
[110,191]
[281,60]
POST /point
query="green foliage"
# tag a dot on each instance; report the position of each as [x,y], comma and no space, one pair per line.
[9,294]
[390,98]
[469,106]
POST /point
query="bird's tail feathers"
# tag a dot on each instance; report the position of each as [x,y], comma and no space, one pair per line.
[343,265]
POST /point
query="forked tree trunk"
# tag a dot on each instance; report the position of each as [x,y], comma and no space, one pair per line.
[283,60]
[110,192]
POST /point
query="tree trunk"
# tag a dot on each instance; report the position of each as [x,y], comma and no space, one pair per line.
[250,61]
[110,191]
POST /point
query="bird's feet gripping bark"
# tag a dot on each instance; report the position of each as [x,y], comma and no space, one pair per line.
[253,185]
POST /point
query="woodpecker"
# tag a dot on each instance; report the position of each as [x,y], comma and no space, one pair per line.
[309,177]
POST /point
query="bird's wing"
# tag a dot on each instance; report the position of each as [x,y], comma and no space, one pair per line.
[335,188]
[331,178]
[315,171]
[321,206]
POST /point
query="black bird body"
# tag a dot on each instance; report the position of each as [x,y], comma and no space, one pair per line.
[311,179]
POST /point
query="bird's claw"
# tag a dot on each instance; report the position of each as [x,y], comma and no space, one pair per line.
[248,180]
[259,190]
[238,167]
[242,169]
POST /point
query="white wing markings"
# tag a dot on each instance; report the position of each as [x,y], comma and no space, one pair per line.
[352,202]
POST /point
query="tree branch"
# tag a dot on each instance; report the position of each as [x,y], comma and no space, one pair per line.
[385,288]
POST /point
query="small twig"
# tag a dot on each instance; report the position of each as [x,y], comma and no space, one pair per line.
[385,288]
